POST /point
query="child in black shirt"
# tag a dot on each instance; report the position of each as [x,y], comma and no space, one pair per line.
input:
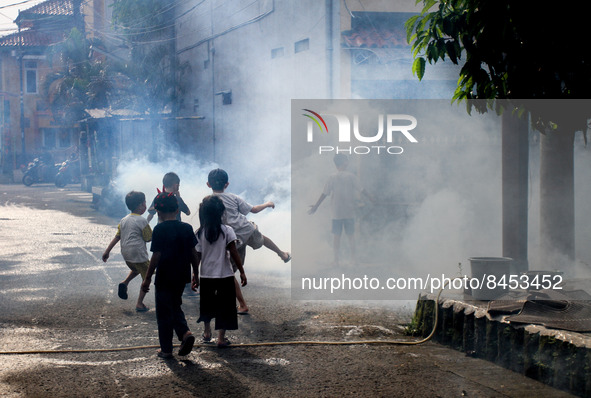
[173,248]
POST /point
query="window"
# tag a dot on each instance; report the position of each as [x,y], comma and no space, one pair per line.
[31,77]
[302,45]
[55,138]
[63,138]
[277,52]
[49,138]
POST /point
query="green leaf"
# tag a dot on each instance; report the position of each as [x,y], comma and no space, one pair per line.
[418,67]
[428,4]
[409,25]
[432,52]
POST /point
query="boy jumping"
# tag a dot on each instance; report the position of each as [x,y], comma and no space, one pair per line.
[246,231]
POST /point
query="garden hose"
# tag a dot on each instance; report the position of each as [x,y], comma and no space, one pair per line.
[262,344]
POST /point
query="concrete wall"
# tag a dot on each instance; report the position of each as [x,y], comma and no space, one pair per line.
[249,48]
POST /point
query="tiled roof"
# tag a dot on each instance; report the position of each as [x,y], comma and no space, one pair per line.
[49,7]
[374,38]
[31,38]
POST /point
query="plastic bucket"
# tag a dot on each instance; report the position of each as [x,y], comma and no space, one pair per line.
[489,272]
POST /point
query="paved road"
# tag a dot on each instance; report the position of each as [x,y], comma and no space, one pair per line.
[55,294]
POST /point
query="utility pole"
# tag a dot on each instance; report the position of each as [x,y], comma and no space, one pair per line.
[22,101]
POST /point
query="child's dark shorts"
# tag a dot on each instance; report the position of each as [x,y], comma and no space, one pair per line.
[347,223]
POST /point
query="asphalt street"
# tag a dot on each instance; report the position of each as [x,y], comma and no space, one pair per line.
[65,333]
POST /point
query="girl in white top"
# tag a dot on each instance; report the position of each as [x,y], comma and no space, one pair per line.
[216,243]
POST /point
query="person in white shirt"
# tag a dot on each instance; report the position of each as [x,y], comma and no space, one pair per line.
[133,231]
[344,189]
[216,244]
[246,231]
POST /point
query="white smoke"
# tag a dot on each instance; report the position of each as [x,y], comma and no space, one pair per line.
[141,174]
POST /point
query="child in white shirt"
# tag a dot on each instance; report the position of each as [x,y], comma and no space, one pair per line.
[216,244]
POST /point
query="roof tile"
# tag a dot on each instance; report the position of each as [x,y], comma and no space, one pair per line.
[50,7]
[31,38]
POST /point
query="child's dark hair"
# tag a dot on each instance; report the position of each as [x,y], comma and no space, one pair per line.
[211,210]
[170,179]
[217,179]
[134,199]
[340,159]
[166,202]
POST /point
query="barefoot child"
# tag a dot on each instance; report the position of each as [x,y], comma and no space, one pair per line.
[216,243]
[173,253]
[133,231]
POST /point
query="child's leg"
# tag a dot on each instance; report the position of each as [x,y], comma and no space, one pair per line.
[269,244]
[122,288]
[142,269]
[140,300]
[207,330]
[207,305]
[132,274]
[351,239]
[222,338]
[164,318]
[178,316]
[350,231]
[337,230]
[336,247]
[242,307]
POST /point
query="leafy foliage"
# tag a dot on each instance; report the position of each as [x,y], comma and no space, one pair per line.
[511,49]
[79,83]
[148,27]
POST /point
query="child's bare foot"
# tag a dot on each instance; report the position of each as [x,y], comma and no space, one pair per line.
[242,310]
[206,334]
[286,257]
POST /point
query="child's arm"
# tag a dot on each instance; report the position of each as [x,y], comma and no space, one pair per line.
[147,233]
[151,211]
[182,205]
[318,203]
[258,208]
[115,240]
[238,261]
[153,263]
[195,260]
[368,195]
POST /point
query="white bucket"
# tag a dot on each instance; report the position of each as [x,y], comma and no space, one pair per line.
[490,271]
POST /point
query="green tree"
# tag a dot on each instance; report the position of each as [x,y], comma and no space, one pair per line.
[148,27]
[519,50]
[79,81]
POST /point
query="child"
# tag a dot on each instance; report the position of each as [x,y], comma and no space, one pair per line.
[218,293]
[170,184]
[247,232]
[173,253]
[343,189]
[133,231]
